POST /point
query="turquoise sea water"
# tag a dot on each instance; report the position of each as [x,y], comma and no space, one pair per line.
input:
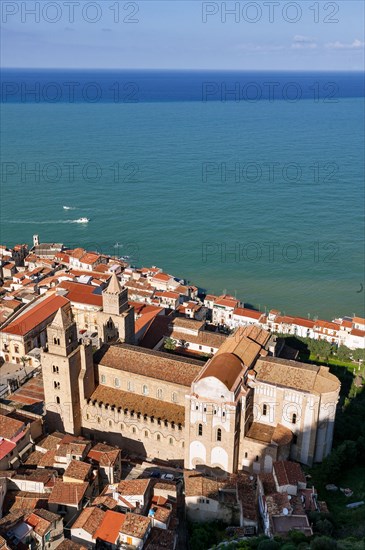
[279,184]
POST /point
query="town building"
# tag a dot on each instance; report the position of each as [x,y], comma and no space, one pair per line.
[241,409]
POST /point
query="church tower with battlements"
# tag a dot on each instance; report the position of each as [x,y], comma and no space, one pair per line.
[68,375]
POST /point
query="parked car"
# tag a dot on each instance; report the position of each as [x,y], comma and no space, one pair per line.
[168,477]
[155,473]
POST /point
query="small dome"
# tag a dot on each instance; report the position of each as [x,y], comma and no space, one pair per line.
[226,367]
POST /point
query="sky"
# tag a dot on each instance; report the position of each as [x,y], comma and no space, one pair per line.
[183,34]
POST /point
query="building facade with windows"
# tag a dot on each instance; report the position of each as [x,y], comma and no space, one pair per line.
[242,409]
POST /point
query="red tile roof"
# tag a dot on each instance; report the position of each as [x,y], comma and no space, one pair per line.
[67,493]
[288,473]
[245,312]
[9,427]
[82,294]
[5,448]
[161,277]
[36,315]
[110,527]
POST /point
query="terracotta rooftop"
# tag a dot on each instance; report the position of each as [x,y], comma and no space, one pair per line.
[245,312]
[68,544]
[246,493]
[139,403]
[156,330]
[90,520]
[226,302]
[77,470]
[89,258]
[9,427]
[34,316]
[185,323]
[288,473]
[246,343]
[135,525]
[110,527]
[82,294]
[204,338]
[47,460]
[50,442]
[161,277]
[226,367]
[6,447]
[282,525]
[133,486]
[40,525]
[197,484]
[104,454]
[68,493]
[268,482]
[161,538]
[269,434]
[153,364]
[296,375]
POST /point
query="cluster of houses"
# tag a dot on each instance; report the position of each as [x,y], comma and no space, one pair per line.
[71,312]
[60,484]
[68,492]
[37,282]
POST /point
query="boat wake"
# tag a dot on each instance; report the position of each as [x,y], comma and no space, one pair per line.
[48,222]
[69,207]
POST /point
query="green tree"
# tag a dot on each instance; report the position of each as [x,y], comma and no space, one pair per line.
[268,545]
[169,344]
[323,543]
[358,354]
[324,527]
[343,353]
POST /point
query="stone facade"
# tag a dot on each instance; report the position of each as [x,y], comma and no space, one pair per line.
[241,410]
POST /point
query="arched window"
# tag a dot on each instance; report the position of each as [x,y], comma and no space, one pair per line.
[158,437]
[117,382]
[200,429]
[171,441]
[145,389]
[99,420]
[58,400]
[246,455]
[133,430]
[110,423]
[264,409]
[56,385]
[257,458]
[182,444]
[219,434]
[146,433]
[159,393]
[294,418]
[55,369]
[174,397]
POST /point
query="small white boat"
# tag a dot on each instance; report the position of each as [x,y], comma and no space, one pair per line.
[83,220]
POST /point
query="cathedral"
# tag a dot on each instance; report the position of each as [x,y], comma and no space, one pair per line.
[242,409]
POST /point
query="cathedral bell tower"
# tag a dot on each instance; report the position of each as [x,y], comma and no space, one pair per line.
[64,364]
[116,320]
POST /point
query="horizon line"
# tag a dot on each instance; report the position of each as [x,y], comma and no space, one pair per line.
[183,69]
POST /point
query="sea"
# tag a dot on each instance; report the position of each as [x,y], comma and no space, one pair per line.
[245,183]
